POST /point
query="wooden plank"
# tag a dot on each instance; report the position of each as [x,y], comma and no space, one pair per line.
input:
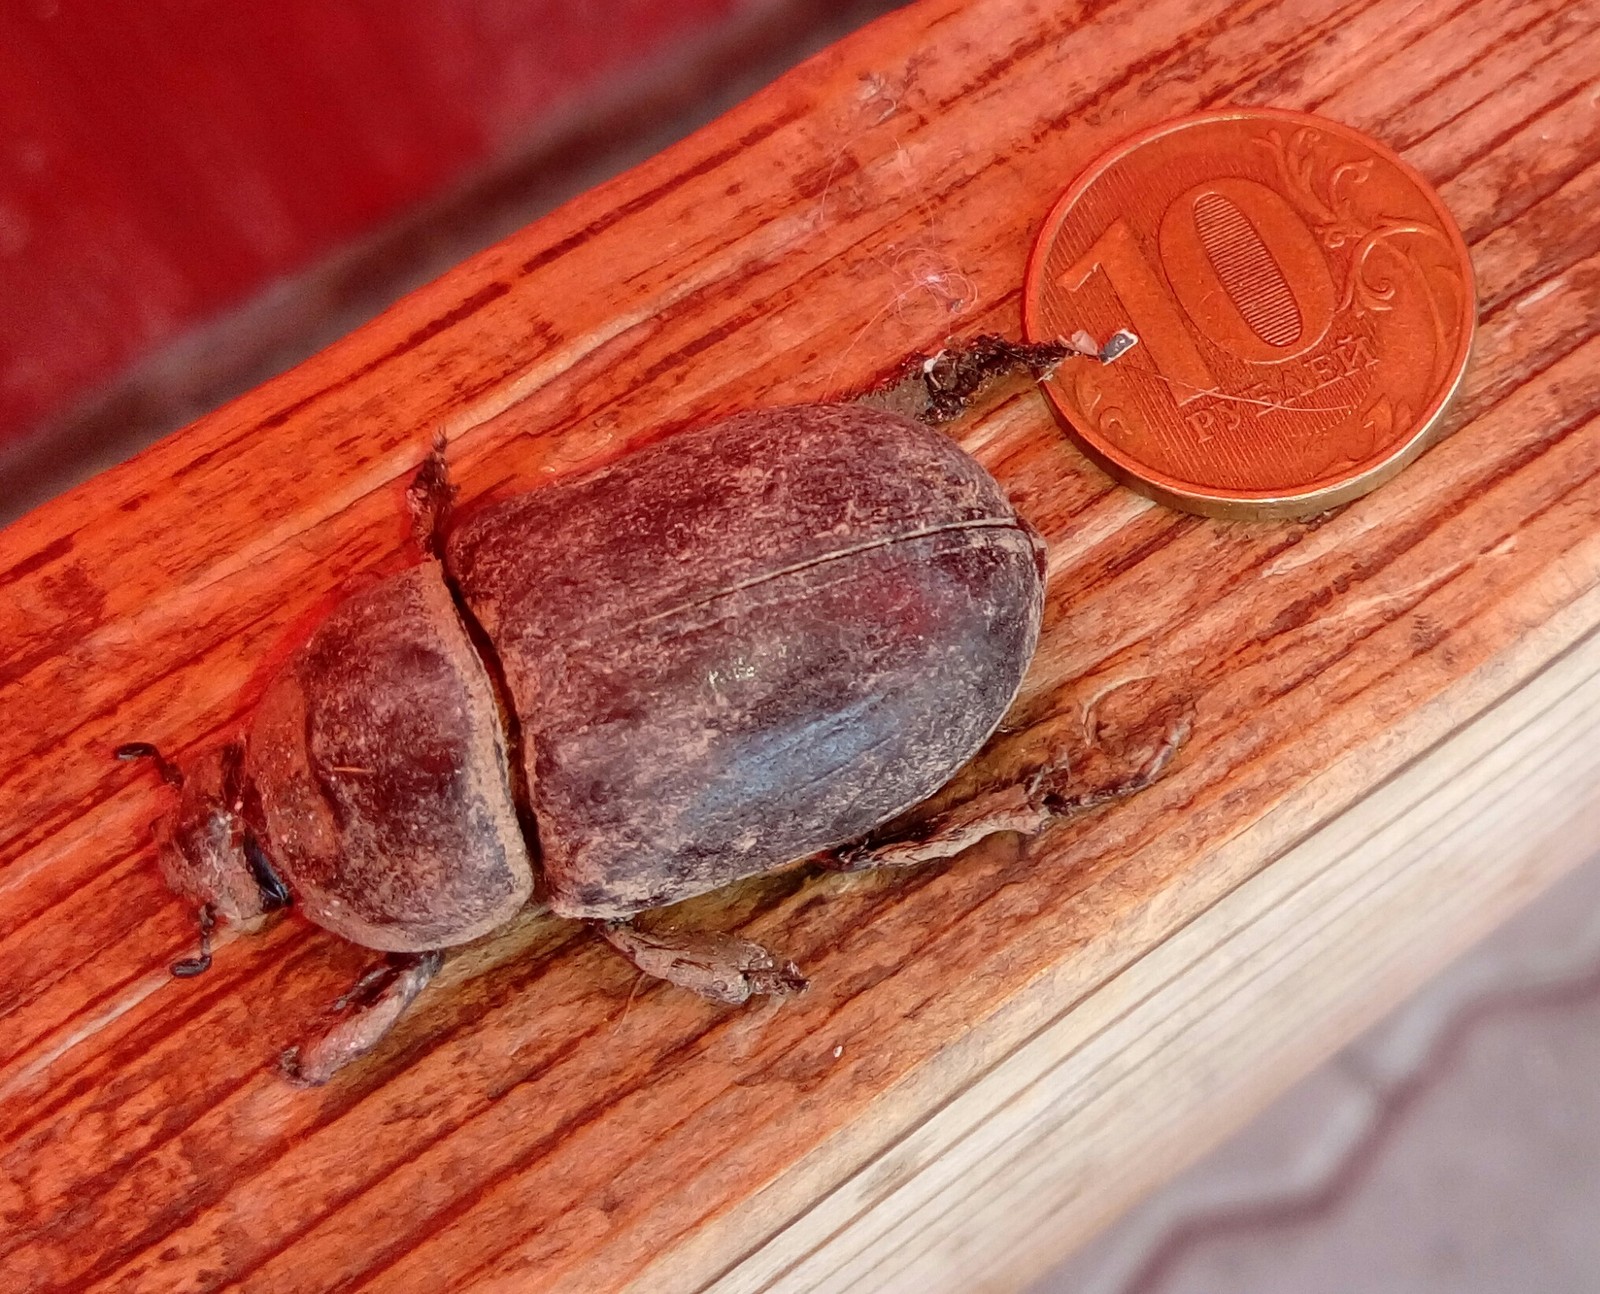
[536,1124]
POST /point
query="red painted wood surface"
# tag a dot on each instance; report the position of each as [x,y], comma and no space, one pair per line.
[161,160]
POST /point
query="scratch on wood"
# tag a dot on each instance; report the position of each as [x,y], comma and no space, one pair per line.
[83,1031]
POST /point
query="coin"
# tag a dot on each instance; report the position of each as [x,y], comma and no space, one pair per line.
[1302,299]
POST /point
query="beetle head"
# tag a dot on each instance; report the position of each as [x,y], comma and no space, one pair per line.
[208,854]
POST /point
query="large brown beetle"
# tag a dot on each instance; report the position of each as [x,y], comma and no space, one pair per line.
[747,645]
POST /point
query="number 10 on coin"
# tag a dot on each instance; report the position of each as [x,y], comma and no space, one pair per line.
[1303,301]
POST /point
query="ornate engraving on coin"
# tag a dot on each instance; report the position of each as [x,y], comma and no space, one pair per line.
[1303,301]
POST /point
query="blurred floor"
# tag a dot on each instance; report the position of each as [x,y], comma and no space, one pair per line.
[1454,1149]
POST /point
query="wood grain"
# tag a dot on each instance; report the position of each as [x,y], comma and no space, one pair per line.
[537,1124]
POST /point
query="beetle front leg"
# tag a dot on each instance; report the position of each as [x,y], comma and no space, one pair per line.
[721,967]
[429,497]
[939,388]
[368,1011]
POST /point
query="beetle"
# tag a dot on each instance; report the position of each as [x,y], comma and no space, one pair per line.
[749,644]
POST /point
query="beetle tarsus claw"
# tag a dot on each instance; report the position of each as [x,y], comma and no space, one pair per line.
[1119,343]
[1106,775]
[171,774]
[784,981]
[200,963]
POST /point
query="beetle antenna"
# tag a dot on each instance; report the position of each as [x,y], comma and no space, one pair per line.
[189,967]
[171,774]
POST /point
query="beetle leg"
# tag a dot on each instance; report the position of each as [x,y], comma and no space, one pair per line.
[1053,794]
[1013,808]
[429,497]
[721,967]
[936,389]
[367,1012]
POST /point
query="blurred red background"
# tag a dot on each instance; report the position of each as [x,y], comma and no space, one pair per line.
[163,160]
